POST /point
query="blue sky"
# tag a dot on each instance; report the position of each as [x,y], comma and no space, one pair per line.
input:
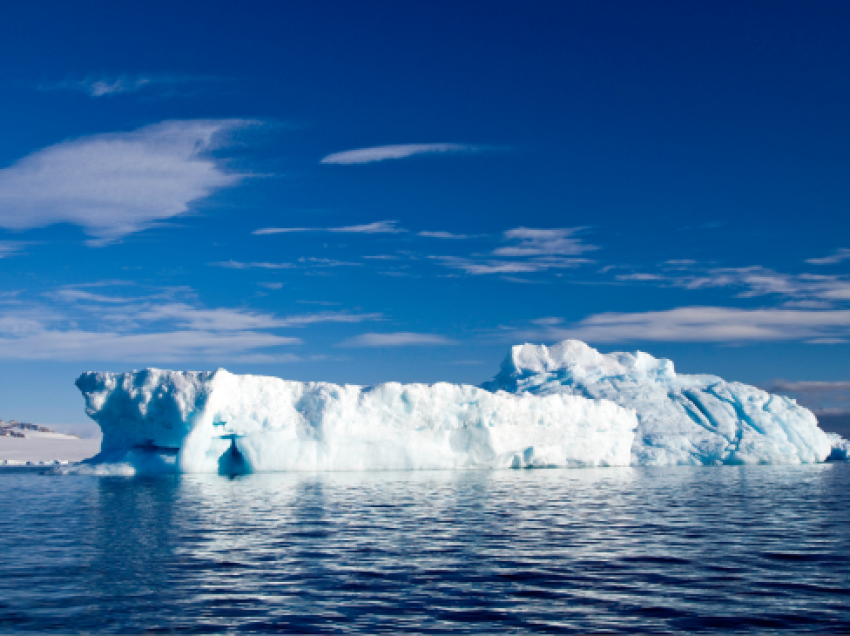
[372,191]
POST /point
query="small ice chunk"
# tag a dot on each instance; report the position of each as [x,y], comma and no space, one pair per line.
[840,447]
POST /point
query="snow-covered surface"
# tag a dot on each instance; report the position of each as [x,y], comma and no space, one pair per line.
[163,421]
[683,419]
[41,447]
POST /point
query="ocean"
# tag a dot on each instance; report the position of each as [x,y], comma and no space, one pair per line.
[755,548]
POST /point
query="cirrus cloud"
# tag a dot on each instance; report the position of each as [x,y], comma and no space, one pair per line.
[701,324]
[401,151]
[397,339]
[378,227]
[116,184]
[104,85]
[839,255]
[162,326]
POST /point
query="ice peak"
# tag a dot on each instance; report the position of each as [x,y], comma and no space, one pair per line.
[572,360]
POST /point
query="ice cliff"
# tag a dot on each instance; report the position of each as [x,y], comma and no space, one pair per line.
[168,421]
[683,419]
[563,406]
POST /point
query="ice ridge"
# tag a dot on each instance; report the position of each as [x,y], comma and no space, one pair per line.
[682,419]
[171,421]
[567,405]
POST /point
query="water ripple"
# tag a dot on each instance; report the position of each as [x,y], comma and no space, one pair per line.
[758,548]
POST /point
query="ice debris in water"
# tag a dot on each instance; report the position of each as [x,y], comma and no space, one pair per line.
[683,419]
[168,421]
[563,406]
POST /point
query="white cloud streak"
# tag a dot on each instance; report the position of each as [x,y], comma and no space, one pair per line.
[840,255]
[263,265]
[10,248]
[312,261]
[402,151]
[116,184]
[544,242]
[702,324]
[111,85]
[167,346]
[802,290]
[443,235]
[303,263]
[397,339]
[759,281]
[639,277]
[379,227]
[123,329]
[534,250]
[481,267]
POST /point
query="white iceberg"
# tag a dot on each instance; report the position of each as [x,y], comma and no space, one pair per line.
[683,419]
[168,421]
[563,406]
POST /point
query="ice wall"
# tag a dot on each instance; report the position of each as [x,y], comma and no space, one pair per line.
[164,421]
[683,419]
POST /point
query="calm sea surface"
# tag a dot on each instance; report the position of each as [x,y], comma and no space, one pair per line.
[651,550]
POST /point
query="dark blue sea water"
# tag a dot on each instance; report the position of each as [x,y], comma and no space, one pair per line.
[619,550]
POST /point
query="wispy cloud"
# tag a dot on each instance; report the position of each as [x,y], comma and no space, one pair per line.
[37,333]
[759,281]
[700,324]
[95,85]
[639,277]
[385,153]
[116,184]
[379,227]
[231,264]
[165,346]
[397,339]
[491,266]
[803,290]
[544,242]
[193,318]
[10,248]
[839,255]
[330,316]
[85,326]
[325,262]
[530,250]
[73,295]
[443,235]
[302,263]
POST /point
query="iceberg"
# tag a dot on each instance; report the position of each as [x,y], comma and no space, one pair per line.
[156,421]
[567,405]
[683,419]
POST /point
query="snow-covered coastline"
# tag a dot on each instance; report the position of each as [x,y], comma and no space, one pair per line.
[25,444]
[562,406]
